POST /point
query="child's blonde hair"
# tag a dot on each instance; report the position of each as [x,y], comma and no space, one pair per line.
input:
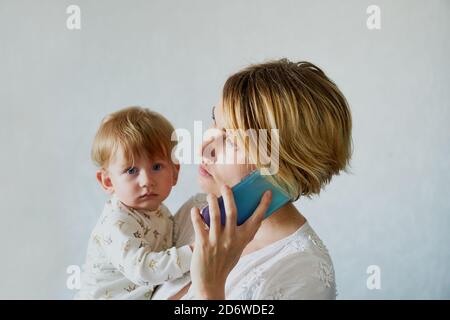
[310,111]
[138,131]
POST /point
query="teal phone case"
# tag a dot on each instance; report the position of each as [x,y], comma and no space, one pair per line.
[247,195]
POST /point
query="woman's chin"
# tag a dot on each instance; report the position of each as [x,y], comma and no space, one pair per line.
[207,184]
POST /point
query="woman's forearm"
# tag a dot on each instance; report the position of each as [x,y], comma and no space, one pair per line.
[216,295]
[180,293]
[207,294]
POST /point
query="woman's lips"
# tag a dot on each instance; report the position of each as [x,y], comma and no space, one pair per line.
[203,172]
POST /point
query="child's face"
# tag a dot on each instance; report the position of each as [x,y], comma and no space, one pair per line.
[143,185]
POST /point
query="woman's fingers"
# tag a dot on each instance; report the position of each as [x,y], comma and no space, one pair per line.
[253,223]
[214,218]
[199,226]
[231,211]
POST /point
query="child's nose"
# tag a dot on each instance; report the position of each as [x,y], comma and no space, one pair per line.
[146,179]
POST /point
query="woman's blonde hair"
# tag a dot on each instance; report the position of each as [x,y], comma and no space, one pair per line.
[138,131]
[308,109]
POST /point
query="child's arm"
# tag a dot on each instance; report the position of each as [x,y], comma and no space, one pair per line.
[124,243]
[183,232]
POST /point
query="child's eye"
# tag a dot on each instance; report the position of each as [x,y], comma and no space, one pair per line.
[131,170]
[157,167]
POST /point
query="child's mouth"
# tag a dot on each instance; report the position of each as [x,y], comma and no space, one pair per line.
[148,195]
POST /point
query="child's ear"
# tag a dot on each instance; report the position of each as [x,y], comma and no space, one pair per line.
[104,180]
[176,171]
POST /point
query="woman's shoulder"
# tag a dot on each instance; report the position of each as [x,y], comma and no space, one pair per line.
[300,267]
[302,246]
[305,241]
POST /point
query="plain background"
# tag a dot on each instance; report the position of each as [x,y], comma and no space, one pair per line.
[56,85]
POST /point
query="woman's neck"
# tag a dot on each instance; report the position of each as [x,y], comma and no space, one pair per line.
[279,225]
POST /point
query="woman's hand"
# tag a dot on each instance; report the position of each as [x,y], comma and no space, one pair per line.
[218,250]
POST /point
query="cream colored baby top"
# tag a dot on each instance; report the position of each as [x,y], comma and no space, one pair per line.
[130,252]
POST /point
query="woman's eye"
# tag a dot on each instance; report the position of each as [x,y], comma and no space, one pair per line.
[157,167]
[225,137]
[228,140]
[232,143]
[131,170]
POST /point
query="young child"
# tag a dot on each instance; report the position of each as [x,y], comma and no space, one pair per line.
[131,247]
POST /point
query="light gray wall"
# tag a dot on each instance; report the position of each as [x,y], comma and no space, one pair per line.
[55,86]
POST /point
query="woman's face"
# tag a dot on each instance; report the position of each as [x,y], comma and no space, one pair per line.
[223,162]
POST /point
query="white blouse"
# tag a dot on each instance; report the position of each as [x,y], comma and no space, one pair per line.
[295,267]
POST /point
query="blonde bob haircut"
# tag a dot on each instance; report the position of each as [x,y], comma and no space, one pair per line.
[138,131]
[308,109]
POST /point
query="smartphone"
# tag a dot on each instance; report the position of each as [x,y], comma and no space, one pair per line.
[247,195]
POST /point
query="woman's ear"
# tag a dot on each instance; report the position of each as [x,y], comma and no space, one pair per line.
[176,171]
[104,180]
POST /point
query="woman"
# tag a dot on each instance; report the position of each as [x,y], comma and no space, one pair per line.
[279,257]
